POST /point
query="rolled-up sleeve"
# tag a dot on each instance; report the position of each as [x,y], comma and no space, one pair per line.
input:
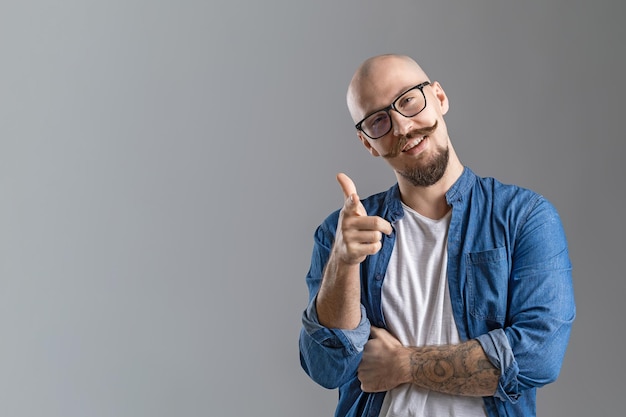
[331,356]
[499,352]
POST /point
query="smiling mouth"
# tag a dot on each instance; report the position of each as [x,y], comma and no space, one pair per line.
[404,144]
[413,143]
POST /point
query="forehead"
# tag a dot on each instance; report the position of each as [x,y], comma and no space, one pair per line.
[382,81]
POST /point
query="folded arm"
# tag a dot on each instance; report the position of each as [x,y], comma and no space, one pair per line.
[461,369]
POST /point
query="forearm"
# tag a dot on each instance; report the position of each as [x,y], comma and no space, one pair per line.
[461,369]
[339,299]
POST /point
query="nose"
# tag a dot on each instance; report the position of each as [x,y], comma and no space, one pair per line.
[401,125]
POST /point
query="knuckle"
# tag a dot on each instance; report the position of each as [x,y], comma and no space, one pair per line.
[375,247]
[381,223]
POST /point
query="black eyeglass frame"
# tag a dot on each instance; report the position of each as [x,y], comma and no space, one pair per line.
[392,106]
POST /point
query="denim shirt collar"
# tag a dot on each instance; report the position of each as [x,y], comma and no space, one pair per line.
[455,194]
[393,204]
[461,186]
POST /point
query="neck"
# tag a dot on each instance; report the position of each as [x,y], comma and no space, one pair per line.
[431,201]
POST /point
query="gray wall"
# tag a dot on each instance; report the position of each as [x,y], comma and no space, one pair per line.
[163,165]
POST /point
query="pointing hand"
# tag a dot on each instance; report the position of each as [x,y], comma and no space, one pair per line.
[358,234]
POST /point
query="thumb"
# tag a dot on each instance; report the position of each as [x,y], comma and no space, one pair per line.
[374,332]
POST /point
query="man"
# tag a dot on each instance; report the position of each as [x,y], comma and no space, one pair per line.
[448,294]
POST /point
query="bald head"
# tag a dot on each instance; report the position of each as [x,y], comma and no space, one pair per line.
[375,79]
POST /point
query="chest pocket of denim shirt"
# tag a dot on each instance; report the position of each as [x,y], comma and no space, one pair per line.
[487,281]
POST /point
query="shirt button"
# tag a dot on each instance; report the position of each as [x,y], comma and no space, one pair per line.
[378,277]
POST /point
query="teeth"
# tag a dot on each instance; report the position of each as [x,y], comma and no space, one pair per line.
[413,144]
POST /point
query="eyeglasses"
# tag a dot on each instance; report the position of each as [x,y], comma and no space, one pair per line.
[408,104]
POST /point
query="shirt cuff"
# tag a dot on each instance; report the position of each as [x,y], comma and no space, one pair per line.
[353,340]
[498,350]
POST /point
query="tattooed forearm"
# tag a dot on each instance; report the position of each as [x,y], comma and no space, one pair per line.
[454,369]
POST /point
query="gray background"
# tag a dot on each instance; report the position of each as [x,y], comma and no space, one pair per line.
[163,165]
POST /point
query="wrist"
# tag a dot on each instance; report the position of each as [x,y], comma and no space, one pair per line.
[404,374]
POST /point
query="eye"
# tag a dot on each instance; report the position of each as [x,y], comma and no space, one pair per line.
[377,119]
[411,103]
[406,100]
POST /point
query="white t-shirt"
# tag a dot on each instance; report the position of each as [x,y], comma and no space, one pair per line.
[416,306]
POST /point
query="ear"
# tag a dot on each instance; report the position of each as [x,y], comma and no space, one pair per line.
[367,144]
[441,96]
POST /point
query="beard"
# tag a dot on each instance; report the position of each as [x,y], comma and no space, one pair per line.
[425,175]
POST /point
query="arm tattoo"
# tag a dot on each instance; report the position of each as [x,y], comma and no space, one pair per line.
[454,369]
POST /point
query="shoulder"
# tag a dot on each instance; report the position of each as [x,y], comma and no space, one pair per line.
[516,202]
[506,193]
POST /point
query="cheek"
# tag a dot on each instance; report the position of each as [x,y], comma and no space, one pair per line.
[374,151]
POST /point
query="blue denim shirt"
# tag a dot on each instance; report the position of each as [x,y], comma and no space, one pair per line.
[509,276]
